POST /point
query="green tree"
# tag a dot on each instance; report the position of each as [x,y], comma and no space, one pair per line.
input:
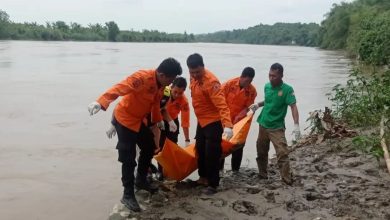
[113,30]
[4,25]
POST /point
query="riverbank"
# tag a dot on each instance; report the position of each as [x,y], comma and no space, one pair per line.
[331,181]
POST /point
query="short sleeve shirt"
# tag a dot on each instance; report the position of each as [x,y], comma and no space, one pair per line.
[276,101]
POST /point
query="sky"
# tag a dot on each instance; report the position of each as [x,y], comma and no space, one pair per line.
[172,16]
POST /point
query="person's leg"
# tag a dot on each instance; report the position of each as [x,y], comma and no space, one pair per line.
[279,141]
[146,144]
[200,145]
[126,155]
[222,164]
[161,144]
[237,158]
[262,152]
[213,133]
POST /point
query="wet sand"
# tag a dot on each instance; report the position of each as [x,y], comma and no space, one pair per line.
[331,181]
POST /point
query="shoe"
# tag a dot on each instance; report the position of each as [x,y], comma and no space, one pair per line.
[210,191]
[235,172]
[160,176]
[130,201]
[262,176]
[145,185]
[202,181]
[288,180]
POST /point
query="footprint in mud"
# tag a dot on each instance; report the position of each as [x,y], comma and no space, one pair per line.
[253,190]
[270,196]
[187,207]
[296,206]
[245,207]
[215,202]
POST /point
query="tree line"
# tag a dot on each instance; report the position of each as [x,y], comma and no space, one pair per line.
[361,27]
[278,34]
[60,30]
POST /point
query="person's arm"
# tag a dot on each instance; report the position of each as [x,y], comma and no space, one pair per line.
[185,119]
[295,114]
[165,114]
[156,112]
[131,84]
[218,99]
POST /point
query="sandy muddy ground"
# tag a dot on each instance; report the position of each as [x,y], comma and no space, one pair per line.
[332,181]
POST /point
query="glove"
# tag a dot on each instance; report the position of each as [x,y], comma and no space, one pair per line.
[297,132]
[94,107]
[111,132]
[187,142]
[161,125]
[228,133]
[172,126]
[254,107]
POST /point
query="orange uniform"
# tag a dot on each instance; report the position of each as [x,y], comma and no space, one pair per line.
[141,95]
[238,99]
[208,100]
[174,107]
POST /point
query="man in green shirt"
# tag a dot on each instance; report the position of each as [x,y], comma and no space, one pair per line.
[278,96]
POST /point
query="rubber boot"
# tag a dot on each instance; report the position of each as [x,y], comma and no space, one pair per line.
[130,201]
[262,166]
[284,168]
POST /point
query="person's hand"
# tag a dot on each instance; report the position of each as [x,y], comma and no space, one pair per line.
[187,142]
[111,132]
[228,133]
[254,107]
[172,126]
[297,132]
[94,107]
[161,125]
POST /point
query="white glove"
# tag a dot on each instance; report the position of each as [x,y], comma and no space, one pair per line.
[111,131]
[94,107]
[254,107]
[172,126]
[228,133]
[297,132]
[161,125]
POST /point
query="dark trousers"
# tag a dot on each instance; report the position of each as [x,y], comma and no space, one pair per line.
[172,136]
[127,141]
[209,150]
[236,160]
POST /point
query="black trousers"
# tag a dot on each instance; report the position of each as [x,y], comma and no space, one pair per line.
[173,136]
[127,141]
[209,150]
[236,160]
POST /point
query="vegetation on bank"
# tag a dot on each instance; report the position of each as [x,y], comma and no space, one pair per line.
[277,34]
[362,28]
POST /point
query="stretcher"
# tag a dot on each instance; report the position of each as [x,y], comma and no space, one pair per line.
[179,162]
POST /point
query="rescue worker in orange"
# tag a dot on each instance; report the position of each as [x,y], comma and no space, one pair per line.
[177,103]
[141,93]
[214,120]
[239,95]
[173,103]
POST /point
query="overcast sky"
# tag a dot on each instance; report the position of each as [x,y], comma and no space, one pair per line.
[196,16]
